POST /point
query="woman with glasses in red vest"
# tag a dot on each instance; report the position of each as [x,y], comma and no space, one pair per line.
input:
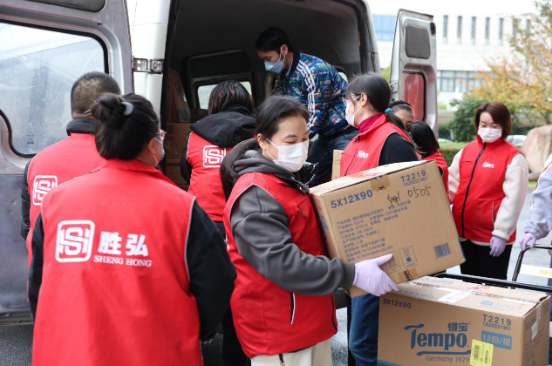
[283,305]
[126,269]
[487,188]
[382,140]
[229,122]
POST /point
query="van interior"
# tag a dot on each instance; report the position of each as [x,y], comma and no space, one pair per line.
[214,41]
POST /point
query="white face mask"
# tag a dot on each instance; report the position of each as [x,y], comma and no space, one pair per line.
[489,134]
[351,117]
[291,157]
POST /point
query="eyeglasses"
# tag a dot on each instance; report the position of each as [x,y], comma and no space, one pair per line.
[161,134]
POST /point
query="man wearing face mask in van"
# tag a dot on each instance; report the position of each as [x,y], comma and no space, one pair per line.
[487,187]
[318,86]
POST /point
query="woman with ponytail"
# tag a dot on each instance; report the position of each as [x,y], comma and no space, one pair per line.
[283,307]
[126,267]
[379,142]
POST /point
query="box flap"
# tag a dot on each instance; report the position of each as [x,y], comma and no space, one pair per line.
[363,176]
[475,296]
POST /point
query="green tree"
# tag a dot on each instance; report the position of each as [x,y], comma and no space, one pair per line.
[461,124]
[386,72]
[523,79]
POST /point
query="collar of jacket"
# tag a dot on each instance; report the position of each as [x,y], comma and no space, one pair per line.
[132,165]
[489,145]
[252,160]
[368,122]
[81,125]
[296,58]
[376,124]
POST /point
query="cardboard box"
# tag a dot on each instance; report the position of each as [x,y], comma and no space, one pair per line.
[175,141]
[437,322]
[172,169]
[178,110]
[336,163]
[400,209]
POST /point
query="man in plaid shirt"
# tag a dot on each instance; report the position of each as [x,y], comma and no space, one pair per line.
[318,86]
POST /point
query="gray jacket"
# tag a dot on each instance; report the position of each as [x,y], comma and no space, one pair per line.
[260,228]
[540,219]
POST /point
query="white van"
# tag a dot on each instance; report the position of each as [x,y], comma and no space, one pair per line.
[45,45]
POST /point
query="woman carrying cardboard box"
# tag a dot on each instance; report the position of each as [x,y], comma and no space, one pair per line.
[283,307]
[379,142]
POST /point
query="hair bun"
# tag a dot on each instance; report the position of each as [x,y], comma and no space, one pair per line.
[110,110]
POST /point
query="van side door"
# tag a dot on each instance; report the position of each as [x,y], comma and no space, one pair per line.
[45,45]
[414,64]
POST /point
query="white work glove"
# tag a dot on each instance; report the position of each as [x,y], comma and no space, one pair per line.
[528,240]
[370,278]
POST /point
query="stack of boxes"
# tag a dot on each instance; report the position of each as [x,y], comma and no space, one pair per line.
[403,209]
[180,119]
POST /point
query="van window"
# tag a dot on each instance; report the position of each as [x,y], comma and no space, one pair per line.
[413,92]
[37,70]
[204,91]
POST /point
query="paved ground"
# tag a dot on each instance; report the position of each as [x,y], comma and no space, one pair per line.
[16,341]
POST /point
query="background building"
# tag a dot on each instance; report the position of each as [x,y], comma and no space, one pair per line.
[464,43]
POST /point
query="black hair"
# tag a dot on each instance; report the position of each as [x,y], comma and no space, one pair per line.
[89,87]
[123,131]
[271,112]
[229,93]
[272,39]
[399,105]
[378,92]
[424,138]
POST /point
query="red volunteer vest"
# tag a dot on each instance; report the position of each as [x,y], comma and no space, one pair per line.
[441,163]
[268,319]
[205,182]
[363,152]
[71,157]
[479,194]
[115,287]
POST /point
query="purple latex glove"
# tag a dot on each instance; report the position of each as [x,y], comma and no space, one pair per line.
[497,246]
[370,278]
[528,240]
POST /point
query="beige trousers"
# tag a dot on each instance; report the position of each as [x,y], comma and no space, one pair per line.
[318,355]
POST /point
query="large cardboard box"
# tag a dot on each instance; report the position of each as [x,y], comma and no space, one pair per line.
[175,141]
[172,169]
[434,321]
[400,209]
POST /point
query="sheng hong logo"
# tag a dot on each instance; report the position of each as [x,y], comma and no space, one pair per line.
[74,240]
[439,343]
[212,156]
[41,186]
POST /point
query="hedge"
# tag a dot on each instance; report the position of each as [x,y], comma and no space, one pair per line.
[449,152]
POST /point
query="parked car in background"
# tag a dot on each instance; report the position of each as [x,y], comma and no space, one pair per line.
[516,140]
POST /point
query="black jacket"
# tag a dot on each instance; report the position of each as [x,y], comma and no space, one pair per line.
[77,125]
[224,129]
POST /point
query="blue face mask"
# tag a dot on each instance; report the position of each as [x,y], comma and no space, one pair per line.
[277,66]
